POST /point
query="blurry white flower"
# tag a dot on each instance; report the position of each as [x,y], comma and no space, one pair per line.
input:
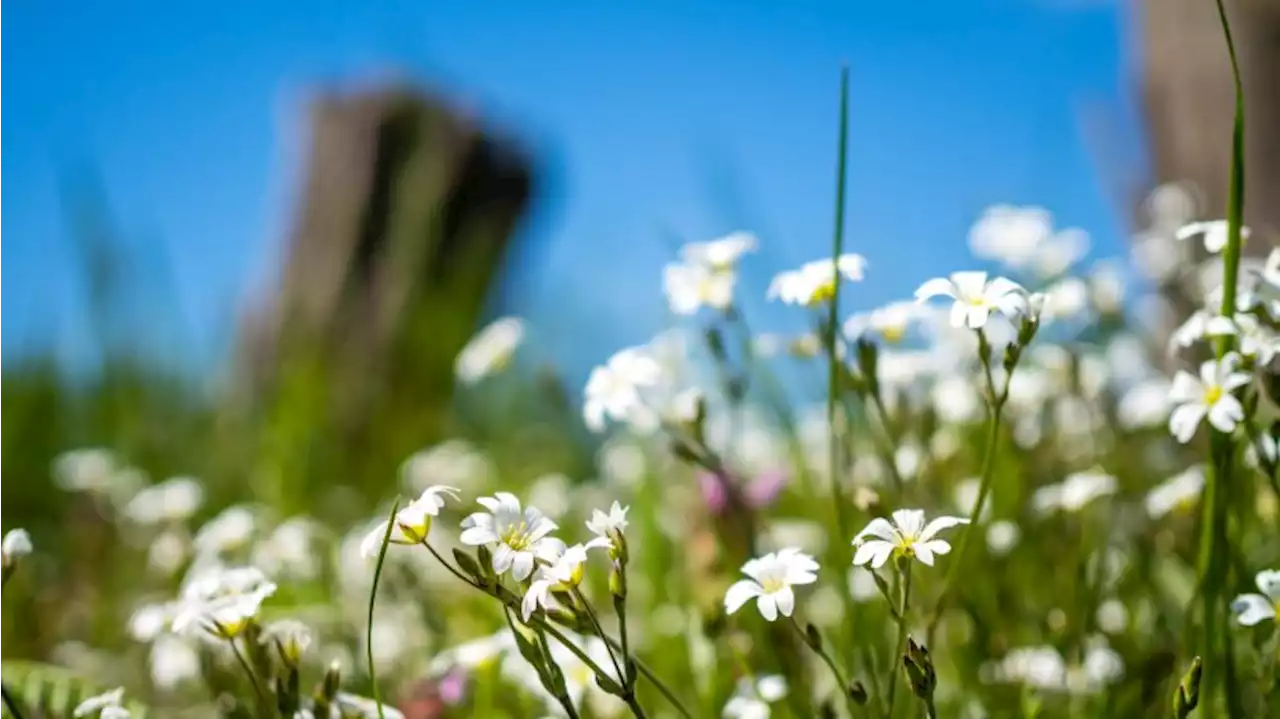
[966,497]
[290,637]
[1112,616]
[1251,609]
[1145,404]
[454,462]
[552,493]
[1003,536]
[889,322]
[1075,492]
[815,282]
[1256,340]
[218,582]
[751,699]
[1203,324]
[173,500]
[1010,235]
[412,523]
[862,585]
[975,297]
[1107,287]
[149,620]
[290,549]
[1210,395]
[96,704]
[172,661]
[85,470]
[614,391]
[1214,233]
[690,287]
[520,535]
[1179,492]
[490,350]
[1170,205]
[15,545]
[956,400]
[350,705]
[1157,255]
[168,551]
[473,654]
[230,530]
[907,536]
[772,579]
[1065,299]
[1101,667]
[720,254]
[1057,253]
[1039,667]
[223,617]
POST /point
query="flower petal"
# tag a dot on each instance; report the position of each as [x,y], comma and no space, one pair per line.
[938,286]
[1251,609]
[878,527]
[521,565]
[768,607]
[939,524]
[1225,413]
[1184,420]
[739,593]
[1185,388]
[786,600]
[868,550]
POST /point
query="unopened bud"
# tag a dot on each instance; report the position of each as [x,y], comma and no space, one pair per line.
[485,559]
[332,680]
[813,637]
[618,582]
[608,685]
[857,692]
[920,669]
[1187,695]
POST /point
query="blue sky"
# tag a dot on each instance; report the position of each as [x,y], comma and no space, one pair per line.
[653,120]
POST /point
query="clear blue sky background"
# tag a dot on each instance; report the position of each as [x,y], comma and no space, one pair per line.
[654,120]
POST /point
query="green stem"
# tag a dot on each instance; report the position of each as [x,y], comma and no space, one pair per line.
[9,702]
[373,596]
[595,623]
[263,702]
[830,662]
[833,309]
[904,569]
[535,621]
[558,684]
[885,440]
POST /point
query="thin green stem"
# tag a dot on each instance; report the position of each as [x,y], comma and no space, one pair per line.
[558,685]
[833,309]
[263,702]
[885,439]
[9,702]
[595,623]
[830,662]
[373,596]
[904,569]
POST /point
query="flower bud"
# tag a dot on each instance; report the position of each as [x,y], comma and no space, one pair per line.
[919,669]
[332,680]
[618,582]
[857,692]
[1187,695]
[813,637]
[469,566]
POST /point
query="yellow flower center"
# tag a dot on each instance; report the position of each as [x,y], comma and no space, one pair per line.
[772,584]
[1212,394]
[893,334]
[977,301]
[516,537]
[824,292]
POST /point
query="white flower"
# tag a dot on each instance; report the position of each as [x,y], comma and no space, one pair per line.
[15,545]
[564,572]
[1210,395]
[96,704]
[85,470]
[1010,235]
[906,536]
[217,581]
[606,525]
[490,351]
[520,536]
[149,620]
[350,705]
[1251,609]
[454,462]
[173,661]
[751,699]
[290,637]
[975,297]
[720,254]
[173,500]
[1065,299]
[1179,492]
[614,391]
[412,523]
[689,287]
[815,282]
[890,322]
[1200,325]
[1057,253]
[230,530]
[1075,492]
[223,617]
[772,579]
[1214,233]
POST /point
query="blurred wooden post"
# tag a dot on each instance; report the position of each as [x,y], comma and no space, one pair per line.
[1188,95]
[405,213]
